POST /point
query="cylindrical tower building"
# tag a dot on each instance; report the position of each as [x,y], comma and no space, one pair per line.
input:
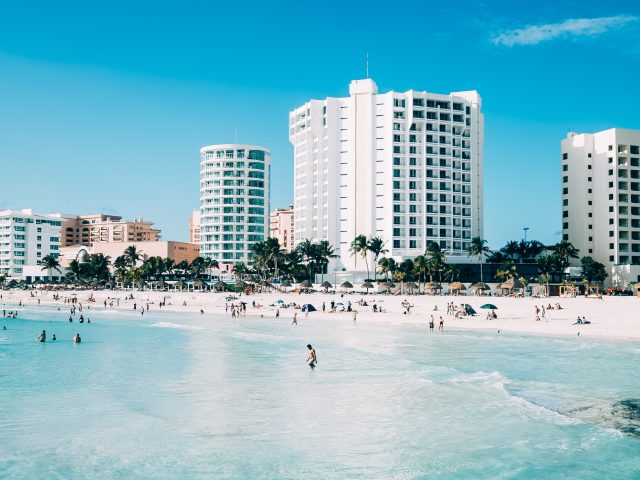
[234,201]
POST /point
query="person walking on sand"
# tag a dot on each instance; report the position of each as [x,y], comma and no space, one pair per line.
[277,312]
[355,317]
[295,319]
[441,326]
[312,359]
[431,324]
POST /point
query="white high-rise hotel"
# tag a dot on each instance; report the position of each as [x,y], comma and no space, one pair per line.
[234,201]
[403,166]
[601,200]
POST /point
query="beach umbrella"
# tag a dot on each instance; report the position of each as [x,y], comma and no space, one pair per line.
[468,309]
[307,307]
[346,284]
[456,286]
[286,283]
[326,285]
[279,302]
[220,285]
[411,286]
[367,285]
[241,284]
[306,284]
[489,306]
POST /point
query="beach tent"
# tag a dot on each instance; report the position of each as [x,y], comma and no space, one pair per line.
[279,302]
[307,307]
[468,309]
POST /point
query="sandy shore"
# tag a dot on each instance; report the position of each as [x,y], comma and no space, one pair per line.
[611,317]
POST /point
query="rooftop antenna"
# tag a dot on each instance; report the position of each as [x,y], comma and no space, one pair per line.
[367,64]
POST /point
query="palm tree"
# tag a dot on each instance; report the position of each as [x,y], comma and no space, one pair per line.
[98,267]
[565,251]
[240,270]
[324,252]
[132,255]
[507,270]
[197,266]
[511,249]
[360,247]
[49,263]
[274,253]
[478,248]
[436,258]
[307,251]
[376,246]
[387,266]
[421,266]
[75,269]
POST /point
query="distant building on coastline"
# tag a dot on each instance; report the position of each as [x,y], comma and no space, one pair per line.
[194,227]
[234,201]
[88,229]
[177,251]
[25,239]
[406,167]
[282,227]
[601,200]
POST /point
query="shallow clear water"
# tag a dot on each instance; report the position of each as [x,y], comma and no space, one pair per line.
[183,396]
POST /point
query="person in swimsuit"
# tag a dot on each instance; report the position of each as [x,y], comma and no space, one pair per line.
[42,337]
[312,360]
[295,319]
[77,338]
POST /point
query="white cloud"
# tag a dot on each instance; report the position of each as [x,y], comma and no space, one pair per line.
[573,27]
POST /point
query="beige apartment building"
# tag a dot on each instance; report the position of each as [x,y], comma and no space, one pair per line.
[281,227]
[89,229]
[178,251]
[194,227]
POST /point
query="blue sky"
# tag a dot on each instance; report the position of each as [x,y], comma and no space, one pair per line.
[104,105]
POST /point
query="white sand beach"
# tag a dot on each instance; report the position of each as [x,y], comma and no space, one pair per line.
[610,317]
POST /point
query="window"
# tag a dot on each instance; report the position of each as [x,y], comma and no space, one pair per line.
[565,156]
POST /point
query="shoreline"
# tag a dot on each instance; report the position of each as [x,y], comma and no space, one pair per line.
[611,318]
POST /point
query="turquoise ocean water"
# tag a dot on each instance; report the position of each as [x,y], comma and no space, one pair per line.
[181,396]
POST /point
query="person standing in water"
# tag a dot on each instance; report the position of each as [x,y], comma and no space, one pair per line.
[312,359]
[295,319]
[42,337]
[431,324]
[77,338]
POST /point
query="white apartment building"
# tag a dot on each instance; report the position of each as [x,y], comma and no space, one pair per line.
[601,200]
[234,201]
[404,166]
[25,239]
[282,227]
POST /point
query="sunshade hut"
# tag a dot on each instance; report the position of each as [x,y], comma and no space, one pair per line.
[456,287]
[367,286]
[479,288]
[432,288]
[508,286]
[346,285]
[326,285]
